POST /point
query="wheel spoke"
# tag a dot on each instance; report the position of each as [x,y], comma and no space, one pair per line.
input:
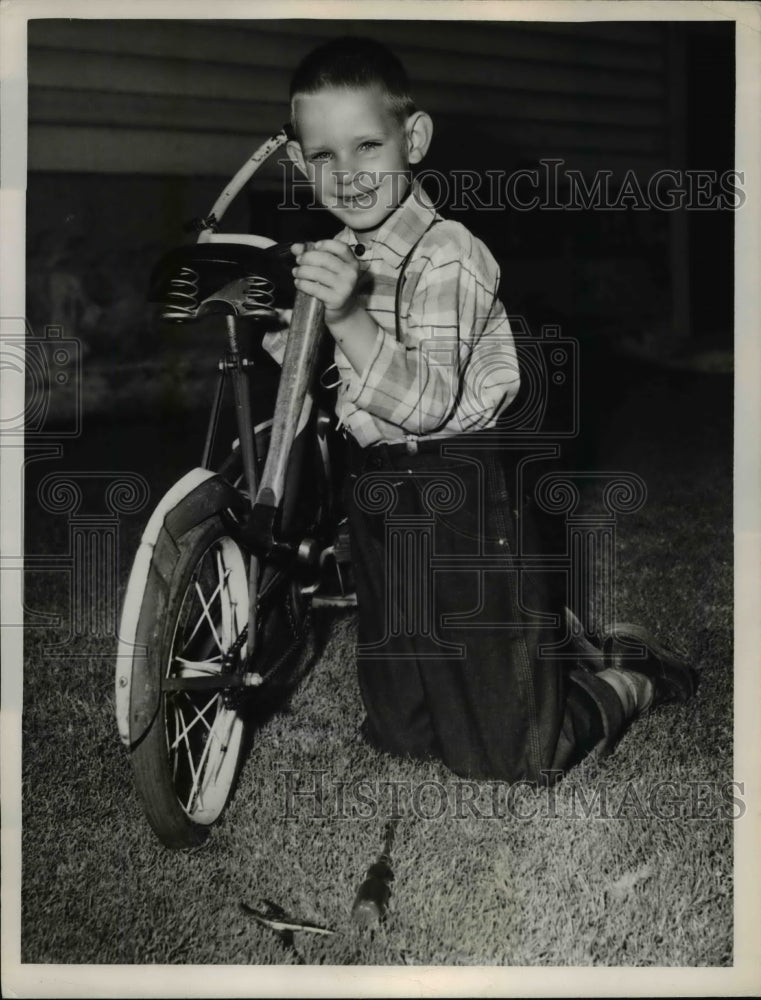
[202,616]
[206,614]
[180,720]
[196,772]
[174,757]
[193,668]
[196,789]
[213,736]
[226,607]
[200,716]
[223,575]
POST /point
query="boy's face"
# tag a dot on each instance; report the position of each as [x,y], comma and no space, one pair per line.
[355,153]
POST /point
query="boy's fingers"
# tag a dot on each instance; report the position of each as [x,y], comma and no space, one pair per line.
[337,248]
[315,288]
[314,272]
[318,258]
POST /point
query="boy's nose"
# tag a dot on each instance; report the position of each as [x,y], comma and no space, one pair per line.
[345,174]
[354,182]
[351,175]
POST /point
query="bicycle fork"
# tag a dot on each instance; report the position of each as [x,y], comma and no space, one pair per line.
[242,395]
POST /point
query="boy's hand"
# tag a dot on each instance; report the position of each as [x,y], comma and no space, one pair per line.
[330,272]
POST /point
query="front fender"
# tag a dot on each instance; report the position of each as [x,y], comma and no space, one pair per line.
[197,496]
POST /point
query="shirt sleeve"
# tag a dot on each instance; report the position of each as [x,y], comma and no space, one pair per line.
[456,362]
[274,341]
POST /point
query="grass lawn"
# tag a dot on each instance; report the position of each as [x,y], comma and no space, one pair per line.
[614,866]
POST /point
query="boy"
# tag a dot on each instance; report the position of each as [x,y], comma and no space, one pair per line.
[449,662]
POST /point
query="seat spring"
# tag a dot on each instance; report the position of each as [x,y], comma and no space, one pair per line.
[182,298]
[259,293]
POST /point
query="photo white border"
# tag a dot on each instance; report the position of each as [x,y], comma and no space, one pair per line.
[744,978]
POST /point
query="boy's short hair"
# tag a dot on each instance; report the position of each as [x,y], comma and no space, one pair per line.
[350,62]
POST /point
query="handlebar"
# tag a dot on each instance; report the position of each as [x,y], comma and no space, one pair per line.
[241,178]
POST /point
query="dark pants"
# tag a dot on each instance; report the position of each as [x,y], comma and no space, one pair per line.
[454,635]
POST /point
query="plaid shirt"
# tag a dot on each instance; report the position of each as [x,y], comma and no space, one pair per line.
[454,368]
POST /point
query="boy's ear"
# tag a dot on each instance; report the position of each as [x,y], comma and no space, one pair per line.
[419,132]
[293,148]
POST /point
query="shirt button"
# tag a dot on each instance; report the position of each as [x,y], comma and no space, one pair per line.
[359,249]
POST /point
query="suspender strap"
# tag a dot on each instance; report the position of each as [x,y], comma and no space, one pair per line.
[400,279]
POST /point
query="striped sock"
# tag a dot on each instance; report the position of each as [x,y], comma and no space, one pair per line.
[635,691]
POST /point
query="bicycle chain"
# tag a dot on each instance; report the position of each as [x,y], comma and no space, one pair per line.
[294,646]
[229,657]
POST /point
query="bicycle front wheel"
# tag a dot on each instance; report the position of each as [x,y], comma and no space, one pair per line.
[186,763]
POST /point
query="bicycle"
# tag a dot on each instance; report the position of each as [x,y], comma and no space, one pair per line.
[217,607]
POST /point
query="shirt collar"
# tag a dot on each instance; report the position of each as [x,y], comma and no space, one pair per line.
[401,230]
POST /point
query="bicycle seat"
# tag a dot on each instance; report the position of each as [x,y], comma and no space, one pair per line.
[222,277]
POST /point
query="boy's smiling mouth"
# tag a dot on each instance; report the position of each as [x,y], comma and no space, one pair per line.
[364,200]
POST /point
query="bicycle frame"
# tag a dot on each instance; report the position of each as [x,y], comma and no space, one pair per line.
[256,528]
[266,496]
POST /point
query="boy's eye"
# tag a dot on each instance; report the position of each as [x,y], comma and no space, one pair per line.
[370,144]
[316,157]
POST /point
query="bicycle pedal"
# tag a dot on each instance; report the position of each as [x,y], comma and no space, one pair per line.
[335,588]
[342,544]
[324,600]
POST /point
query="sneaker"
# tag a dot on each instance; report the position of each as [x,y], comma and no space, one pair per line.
[590,656]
